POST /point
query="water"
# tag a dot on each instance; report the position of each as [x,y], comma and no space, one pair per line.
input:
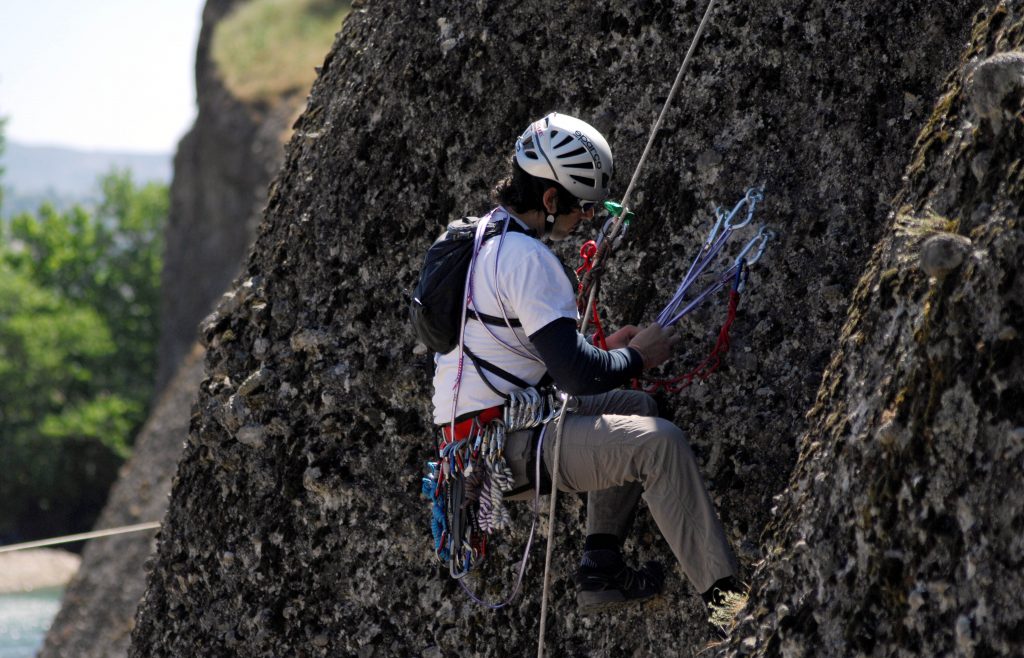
[24,619]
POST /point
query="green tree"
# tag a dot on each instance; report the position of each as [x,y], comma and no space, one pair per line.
[108,260]
[49,352]
[79,293]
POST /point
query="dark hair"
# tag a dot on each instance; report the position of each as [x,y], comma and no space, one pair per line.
[523,192]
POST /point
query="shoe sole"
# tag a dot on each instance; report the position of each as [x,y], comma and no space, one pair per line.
[596,602]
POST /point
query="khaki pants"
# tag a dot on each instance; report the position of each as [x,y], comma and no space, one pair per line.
[615,448]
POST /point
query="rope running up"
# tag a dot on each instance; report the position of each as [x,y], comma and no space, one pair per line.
[588,290]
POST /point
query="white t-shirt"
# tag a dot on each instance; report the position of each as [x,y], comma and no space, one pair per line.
[534,289]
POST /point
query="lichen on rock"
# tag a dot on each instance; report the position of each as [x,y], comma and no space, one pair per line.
[918,553]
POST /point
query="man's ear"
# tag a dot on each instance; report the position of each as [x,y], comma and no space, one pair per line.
[550,199]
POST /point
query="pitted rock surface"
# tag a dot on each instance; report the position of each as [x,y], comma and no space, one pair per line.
[221,171]
[314,540]
[907,492]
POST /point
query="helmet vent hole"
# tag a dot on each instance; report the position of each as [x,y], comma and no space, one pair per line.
[573,153]
[531,154]
[568,138]
[580,165]
[528,142]
[554,133]
[589,182]
[604,181]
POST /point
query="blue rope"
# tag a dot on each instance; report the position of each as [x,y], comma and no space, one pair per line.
[438,520]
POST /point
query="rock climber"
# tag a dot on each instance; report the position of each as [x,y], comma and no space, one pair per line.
[614,446]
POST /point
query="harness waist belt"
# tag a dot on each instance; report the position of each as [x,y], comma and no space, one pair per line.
[465,427]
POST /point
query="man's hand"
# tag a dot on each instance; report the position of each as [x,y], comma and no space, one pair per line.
[655,344]
[621,337]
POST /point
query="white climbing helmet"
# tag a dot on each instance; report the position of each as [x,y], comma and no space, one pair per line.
[568,151]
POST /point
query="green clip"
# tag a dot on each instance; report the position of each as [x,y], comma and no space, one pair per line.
[616,209]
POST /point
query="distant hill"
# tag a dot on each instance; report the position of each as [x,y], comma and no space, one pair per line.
[64,176]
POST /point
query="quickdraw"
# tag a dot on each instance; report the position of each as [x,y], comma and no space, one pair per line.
[735,276]
[466,485]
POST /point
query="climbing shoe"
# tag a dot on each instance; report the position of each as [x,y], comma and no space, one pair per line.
[611,586]
[724,604]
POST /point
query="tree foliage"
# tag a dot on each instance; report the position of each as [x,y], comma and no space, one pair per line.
[78,329]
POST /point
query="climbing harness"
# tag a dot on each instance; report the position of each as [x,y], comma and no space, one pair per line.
[467,483]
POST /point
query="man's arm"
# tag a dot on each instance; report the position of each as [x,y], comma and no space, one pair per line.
[578,367]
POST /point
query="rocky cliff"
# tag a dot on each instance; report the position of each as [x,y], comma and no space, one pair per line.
[296,526]
[900,531]
[221,172]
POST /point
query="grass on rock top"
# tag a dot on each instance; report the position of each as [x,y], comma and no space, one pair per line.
[268,48]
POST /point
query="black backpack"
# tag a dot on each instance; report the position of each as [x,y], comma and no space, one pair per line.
[436,305]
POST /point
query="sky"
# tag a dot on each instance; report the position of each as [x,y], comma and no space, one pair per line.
[99,74]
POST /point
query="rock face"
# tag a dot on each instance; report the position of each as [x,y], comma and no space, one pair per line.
[296,526]
[98,610]
[900,531]
[221,172]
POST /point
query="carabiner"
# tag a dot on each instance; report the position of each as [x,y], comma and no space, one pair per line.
[753,196]
[720,217]
[760,239]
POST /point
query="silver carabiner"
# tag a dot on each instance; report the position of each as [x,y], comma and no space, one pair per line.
[511,407]
[603,233]
[536,407]
[520,409]
[764,234]
[753,196]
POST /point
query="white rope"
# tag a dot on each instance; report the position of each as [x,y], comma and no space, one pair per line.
[586,317]
[67,539]
[552,519]
[614,230]
[668,101]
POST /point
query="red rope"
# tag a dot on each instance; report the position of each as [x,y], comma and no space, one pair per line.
[707,366]
[598,338]
[587,252]
[676,384]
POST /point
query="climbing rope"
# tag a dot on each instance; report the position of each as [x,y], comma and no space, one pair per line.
[591,282]
[67,539]
[588,291]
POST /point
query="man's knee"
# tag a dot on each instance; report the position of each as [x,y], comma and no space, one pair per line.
[667,441]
